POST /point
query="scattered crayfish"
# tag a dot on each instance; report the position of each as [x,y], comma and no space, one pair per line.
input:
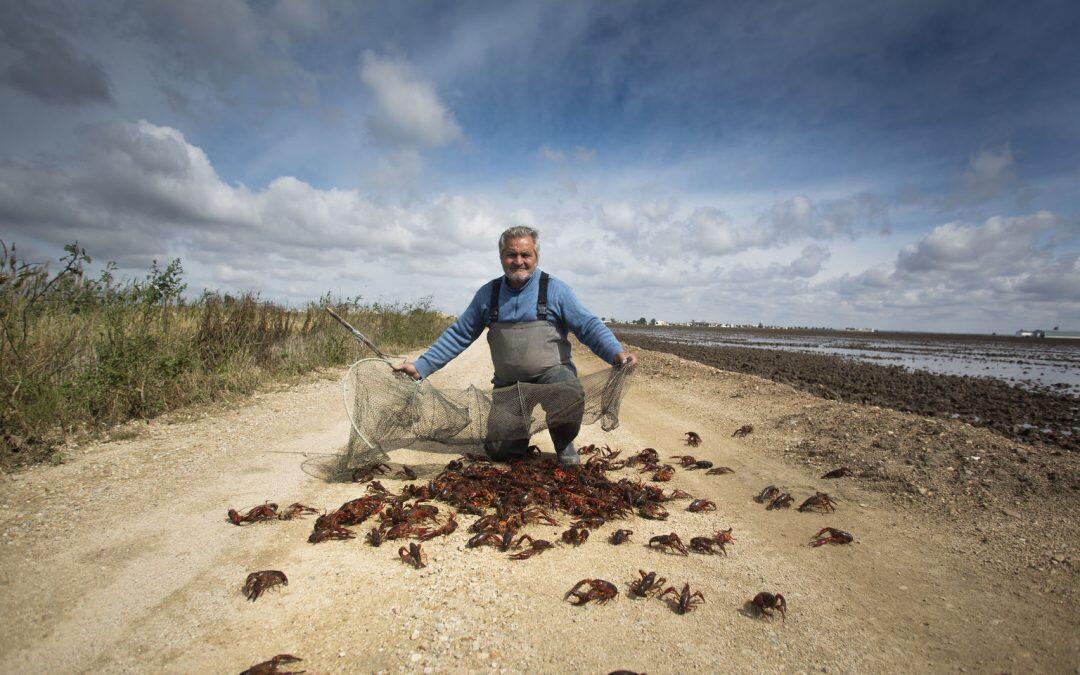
[699,505]
[719,471]
[768,494]
[819,502]
[259,582]
[707,545]
[575,536]
[648,584]
[782,501]
[271,667]
[744,430]
[599,590]
[536,546]
[446,529]
[413,555]
[653,512]
[365,473]
[835,536]
[668,542]
[839,473]
[619,536]
[296,510]
[685,601]
[664,474]
[763,602]
[257,514]
[692,439]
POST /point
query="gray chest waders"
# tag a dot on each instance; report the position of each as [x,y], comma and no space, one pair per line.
[524,350]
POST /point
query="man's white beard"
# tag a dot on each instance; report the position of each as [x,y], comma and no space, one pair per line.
[519,277]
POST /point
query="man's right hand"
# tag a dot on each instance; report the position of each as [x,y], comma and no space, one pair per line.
[409,369]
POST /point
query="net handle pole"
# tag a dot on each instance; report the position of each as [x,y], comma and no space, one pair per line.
[360,337]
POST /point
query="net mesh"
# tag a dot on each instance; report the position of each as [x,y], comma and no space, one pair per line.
[385,408]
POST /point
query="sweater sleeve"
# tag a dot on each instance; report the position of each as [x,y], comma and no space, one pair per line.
[457,337]
[586,326]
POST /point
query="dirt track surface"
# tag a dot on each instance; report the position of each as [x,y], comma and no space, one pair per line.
[122,560]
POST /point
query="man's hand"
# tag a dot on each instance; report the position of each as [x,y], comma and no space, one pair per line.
[625,359]
[409,369]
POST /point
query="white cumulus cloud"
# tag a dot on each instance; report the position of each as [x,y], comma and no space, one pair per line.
[408,110]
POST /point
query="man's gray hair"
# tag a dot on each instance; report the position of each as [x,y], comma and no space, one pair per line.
[517,232]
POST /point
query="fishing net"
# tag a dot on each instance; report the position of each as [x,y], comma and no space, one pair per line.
[386,408]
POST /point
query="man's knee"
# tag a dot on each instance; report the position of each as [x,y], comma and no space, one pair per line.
[561,373]
[506,451]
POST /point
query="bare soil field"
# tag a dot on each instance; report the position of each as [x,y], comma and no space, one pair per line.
[121,559]
[1017,413]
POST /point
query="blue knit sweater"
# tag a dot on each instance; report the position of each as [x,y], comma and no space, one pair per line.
[564,310]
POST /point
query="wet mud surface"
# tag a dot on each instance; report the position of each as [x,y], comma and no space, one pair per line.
[1017,414]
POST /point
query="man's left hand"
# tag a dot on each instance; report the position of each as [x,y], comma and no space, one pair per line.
[625,359]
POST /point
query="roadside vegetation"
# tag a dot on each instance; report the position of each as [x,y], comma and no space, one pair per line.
[79,354]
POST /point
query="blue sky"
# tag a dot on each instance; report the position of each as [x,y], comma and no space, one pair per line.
[909,165]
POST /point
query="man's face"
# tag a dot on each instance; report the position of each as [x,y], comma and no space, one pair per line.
[519,260]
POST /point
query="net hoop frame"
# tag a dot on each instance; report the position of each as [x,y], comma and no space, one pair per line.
[345,397]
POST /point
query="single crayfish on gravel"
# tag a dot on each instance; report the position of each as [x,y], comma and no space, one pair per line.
[413,555]
[536,546]
[648,584]
[699,505]
[820,502]
[364,474]
[692,439]
[256,514]
[599,590]
[706,545]
[664,474]
[575,536]
[767,495]
[719,471]
[258,583]
[764,601]
[271,667]
[653,512]
[782,501]
[684,601]
[668,543]
[839,473]
[831,536]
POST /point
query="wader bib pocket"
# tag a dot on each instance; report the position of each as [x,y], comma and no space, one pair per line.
[524,350]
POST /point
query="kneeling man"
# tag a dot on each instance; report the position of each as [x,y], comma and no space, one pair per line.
[528,315]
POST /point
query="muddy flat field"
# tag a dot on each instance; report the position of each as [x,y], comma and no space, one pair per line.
[1045,410]
[964,555]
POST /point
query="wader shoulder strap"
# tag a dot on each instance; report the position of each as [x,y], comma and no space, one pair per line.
[493,308]
[541,298]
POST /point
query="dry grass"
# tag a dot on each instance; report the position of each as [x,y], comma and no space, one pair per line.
[81,354]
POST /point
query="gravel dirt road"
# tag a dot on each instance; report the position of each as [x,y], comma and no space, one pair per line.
[121,559]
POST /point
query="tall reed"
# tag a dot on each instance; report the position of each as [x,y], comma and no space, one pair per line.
[81,354]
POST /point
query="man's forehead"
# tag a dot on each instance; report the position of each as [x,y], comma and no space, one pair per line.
[520,245]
